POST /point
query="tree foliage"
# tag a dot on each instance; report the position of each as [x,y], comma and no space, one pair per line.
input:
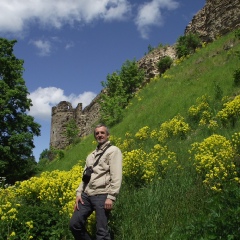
[119,89]
[71,131]
[44,154]
[164,64]
[17,129]
[187,44]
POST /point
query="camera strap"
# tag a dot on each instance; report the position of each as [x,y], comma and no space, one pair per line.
[96,163]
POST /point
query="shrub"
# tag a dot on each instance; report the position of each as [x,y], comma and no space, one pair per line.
[175,127]
[55,154]
[143,133]
[230,112]
[236,77]
[187,44]
[164,64]
[41,221]
[213,159]
[140,167]
[237,33]
[39,208]
[201,112]
[42,163]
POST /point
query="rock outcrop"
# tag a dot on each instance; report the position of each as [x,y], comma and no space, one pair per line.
[217,18]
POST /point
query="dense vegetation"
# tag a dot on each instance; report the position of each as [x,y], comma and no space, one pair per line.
[17,128]
[180,137]
[119,87]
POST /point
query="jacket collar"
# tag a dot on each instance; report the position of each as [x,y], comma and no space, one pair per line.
[102,147]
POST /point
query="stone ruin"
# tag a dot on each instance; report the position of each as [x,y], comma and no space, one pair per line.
[64,112]
[217,18]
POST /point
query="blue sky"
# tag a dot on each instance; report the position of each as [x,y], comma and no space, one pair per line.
[69,47]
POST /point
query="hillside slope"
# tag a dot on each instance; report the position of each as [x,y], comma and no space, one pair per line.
[172,94]
[163,196]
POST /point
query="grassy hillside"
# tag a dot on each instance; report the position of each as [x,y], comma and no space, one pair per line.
[177,202]
[173,94]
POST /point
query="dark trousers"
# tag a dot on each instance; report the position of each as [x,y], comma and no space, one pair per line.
[79,217]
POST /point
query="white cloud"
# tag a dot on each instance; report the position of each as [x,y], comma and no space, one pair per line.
[44,47]
[117,10]
[149,14]
[43,99]
[17,15]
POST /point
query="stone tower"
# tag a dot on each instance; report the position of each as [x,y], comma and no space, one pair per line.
[61,115]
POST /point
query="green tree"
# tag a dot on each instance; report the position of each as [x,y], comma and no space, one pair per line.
[44,154]
[187,44]
[131,77]
[71,131]
[119,89]
[17,129]
[113,101]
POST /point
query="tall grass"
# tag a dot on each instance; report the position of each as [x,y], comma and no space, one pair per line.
[158,210]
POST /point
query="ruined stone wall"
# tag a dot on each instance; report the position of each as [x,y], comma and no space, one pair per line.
[217,18]
[64,112]
[61,114]
[91,116]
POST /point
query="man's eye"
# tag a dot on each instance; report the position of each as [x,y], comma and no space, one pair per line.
[99,132]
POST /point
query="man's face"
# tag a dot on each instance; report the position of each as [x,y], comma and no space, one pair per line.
[101,135]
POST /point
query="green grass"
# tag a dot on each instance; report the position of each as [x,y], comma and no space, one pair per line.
[164,208]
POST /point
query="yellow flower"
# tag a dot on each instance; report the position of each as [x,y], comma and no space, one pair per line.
[12,234]
[29,224]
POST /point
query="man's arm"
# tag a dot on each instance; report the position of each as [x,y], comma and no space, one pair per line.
[115,163]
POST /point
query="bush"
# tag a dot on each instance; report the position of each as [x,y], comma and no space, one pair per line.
[187,44]
[42,163]
[40,208]
[201,112]
[237,33]
[213,159]
[236,77]
[41,220]
[230,112]
[173,128]
[164,64]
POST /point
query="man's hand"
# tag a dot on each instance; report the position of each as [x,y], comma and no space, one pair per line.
[108,204]
[78,199]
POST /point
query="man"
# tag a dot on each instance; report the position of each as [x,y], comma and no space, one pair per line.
[100,192]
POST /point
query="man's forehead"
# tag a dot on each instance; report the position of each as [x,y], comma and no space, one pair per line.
[100,129]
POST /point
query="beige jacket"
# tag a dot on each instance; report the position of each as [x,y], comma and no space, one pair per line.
[107,175]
